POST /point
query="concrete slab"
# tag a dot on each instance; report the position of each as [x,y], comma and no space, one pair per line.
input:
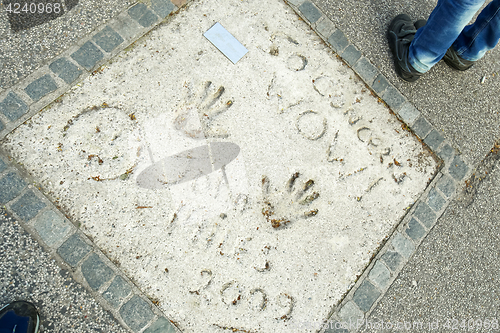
[244,196]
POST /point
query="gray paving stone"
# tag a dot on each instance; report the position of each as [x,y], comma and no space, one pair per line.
[338,41]
[393,98]
[433,140]
[117,291]
[380,84]
[408,113]
[137,11]
[107,39]
[65,69]
[3,165]
[425,215]
[136,313]
[365,296]
[96,272]
[161,325]
[415,230]
[41,87]
[13,107]
[27,206]
[458,169]
[148,19]
[142,15]
[366,70]
[403,245]
[73,250]
[51,227]
[162,8]
[325,27]
[10,187]
[446,185]
[310,11]
[435,200]
[392,259]
[421,127]
[126,27]
[88,55]
[350,312]
[446,152]
[380,274]
[351,54]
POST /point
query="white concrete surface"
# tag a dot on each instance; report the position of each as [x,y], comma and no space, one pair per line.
[182,183]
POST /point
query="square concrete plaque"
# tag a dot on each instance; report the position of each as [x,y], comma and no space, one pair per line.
[241,196]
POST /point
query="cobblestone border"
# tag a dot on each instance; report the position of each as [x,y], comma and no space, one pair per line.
[378,276]
[19,193]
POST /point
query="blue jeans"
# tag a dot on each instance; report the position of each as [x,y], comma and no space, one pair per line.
[446,26]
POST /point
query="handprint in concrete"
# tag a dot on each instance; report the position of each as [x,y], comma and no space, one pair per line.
[206,104]
[289,205]
[194,118]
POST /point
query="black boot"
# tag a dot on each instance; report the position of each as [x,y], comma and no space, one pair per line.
[400,34]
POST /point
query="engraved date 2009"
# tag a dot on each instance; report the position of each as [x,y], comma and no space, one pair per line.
[33,8]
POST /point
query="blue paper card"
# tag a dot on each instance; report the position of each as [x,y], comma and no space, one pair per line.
[225,42]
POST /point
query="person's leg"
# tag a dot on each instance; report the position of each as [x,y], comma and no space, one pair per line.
[444,25]
[482,36]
